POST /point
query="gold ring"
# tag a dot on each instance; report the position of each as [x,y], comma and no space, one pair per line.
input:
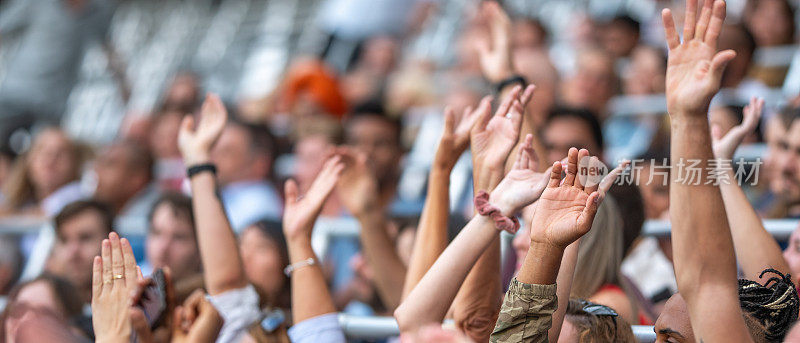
[117,277]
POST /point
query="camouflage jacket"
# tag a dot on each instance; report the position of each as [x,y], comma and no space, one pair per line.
[527,313]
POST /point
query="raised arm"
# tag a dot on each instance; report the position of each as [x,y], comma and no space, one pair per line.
[431,237]
[564,213]
[310,295]
[358,191]
[429,301]
[705,264]
[478,301]
[755,248]
[566,272]
[219,252]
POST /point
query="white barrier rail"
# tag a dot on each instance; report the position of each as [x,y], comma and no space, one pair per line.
[358,327]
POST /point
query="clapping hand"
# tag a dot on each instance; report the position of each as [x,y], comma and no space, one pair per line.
[300,212]
[195,141]
[694,67]
[357,186]
[115,277]
[725,145]
[455,137]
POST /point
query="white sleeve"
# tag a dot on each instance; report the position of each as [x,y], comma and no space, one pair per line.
[239,308]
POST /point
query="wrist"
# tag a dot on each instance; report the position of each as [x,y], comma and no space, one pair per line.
[195,159]
[541,264]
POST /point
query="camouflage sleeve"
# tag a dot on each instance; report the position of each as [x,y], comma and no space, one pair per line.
[527,313]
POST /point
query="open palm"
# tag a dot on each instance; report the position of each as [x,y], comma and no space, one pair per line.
[195,141]
[694,67]
[357,187]
[455,137]
[725,145]
[493,136]
[301,212]
[565,210]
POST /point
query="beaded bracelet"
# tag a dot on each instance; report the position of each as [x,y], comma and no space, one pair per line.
[484,208]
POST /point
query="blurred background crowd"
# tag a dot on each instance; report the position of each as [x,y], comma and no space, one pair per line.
[92,94]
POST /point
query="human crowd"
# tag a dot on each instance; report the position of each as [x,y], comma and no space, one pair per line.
[190,233]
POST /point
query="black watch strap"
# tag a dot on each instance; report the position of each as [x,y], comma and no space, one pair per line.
[498,88]
[199,168]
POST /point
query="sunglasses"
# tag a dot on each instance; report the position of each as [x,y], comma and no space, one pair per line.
[597,309]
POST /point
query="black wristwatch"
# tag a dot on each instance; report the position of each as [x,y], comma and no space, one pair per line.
[199,168]
[498,87]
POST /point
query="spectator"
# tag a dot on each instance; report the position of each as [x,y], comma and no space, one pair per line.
[592,84]
[39,308]
[163,143]
[124,173]
[244,156]
[80,227]
[183,94]
[264,256]
[171,242]
[771,22]
[571,127]
[44,179]
[620,36]
[645,73]
[785,179]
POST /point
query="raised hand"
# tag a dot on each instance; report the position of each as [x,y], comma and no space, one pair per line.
[494,52]
[301,212]
[357,187]
[455,137]
[523,184]
[493,136]
[725,145]
[195,141]
[694,67]
[566,209]
[114,279]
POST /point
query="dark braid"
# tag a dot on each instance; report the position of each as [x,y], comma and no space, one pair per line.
[774,304]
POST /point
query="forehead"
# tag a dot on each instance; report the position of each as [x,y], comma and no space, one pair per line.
[88,220]
[570,129]
[675,316]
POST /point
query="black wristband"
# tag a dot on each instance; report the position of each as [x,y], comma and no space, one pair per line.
[510,81]
[199,168]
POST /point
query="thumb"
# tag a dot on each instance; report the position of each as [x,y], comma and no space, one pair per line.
[719,62]
[449,120]
[586,218]
[187,125]
[291,191]
[716,132]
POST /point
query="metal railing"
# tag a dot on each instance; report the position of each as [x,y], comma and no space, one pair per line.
[360,327]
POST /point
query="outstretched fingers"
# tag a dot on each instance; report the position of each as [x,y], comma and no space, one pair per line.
[589,211]
[582,176]
[670,32]
[715,25]
[572,167]
[290,191]
[505,106]
[690,20]
[97,277]
[703,21]
[555,175]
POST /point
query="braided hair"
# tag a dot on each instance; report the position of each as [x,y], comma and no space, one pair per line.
[774,304]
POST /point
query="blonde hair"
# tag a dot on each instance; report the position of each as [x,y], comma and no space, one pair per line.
[601,252]
[19,189]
